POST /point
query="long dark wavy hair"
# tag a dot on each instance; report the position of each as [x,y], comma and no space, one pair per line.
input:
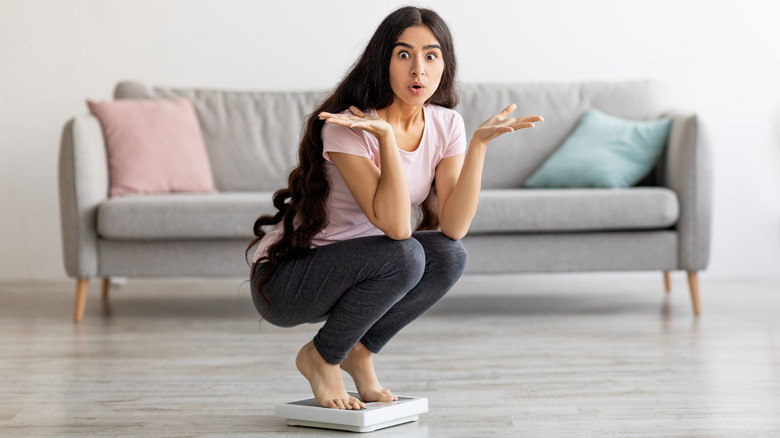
[301,206]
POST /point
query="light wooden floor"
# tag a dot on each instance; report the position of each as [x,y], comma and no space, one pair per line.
[525,356]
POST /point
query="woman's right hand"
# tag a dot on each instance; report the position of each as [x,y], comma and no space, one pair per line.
[383,195]
[360,120]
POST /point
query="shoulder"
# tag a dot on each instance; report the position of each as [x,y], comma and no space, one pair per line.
[446,121]
[449,127]
[332,131]
[444,115]
[352,141]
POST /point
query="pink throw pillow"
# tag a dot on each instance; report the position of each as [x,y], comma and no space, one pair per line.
[154,146]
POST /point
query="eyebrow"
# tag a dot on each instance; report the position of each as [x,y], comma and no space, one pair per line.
[409,46]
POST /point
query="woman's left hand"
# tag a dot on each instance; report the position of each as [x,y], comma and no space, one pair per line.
[501,124]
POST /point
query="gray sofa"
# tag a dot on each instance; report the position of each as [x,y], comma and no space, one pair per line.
[251,137]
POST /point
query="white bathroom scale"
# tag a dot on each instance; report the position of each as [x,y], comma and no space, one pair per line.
[376,415]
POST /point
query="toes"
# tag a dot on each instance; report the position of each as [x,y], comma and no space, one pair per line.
[356,404]
[348,403]
[339,403]
[388,396]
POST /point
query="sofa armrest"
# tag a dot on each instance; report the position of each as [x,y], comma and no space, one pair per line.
[83,185]
[688,171]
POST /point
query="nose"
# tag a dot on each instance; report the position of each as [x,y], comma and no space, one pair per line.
[417,67]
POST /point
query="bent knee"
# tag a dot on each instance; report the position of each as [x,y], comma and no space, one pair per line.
[447,253]
[456,256]
[408,257]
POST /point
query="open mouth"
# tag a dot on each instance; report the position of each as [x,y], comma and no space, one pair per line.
[417,87]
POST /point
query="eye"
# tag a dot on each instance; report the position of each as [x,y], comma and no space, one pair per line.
[403,55]
[431,57]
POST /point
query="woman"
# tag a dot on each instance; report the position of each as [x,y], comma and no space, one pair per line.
[341,248]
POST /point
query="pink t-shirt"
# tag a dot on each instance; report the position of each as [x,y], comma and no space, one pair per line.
[444,136]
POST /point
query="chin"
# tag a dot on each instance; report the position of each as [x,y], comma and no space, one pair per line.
[417,100]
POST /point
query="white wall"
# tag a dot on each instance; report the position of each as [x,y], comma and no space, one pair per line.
[719,58]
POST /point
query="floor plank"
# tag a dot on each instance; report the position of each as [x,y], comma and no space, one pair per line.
[515,356]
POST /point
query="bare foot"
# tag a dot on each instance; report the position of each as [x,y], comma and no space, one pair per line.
[325,380]
[360,366]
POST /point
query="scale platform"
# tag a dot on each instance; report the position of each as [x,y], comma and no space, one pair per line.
[376,415]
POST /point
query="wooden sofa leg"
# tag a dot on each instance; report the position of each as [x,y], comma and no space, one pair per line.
[693,283]
[667,281]
[106,287]
[82,286]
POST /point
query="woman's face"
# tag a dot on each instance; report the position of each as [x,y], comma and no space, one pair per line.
[416,66]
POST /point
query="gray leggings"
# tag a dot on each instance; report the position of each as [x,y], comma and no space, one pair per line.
[366,289]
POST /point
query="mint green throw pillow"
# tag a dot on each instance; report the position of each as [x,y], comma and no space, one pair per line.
[604,151]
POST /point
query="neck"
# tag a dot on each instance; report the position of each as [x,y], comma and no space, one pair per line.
[402,115]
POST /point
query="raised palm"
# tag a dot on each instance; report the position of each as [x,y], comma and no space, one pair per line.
[502,124]
[358,119]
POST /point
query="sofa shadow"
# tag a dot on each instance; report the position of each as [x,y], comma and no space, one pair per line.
[563,304]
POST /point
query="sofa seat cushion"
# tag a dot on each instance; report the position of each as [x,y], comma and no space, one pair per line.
[230,215]
[566,210]
[227,215]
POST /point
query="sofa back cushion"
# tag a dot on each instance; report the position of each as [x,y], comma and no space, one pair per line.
[252,137]
[604,151]
[154,146]
[511,159]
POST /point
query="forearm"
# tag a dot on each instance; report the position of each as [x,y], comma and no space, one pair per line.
[460,207]
[392,205]
[457,210]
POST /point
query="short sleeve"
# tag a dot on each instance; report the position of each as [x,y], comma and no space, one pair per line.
[337,138]
[457,143]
